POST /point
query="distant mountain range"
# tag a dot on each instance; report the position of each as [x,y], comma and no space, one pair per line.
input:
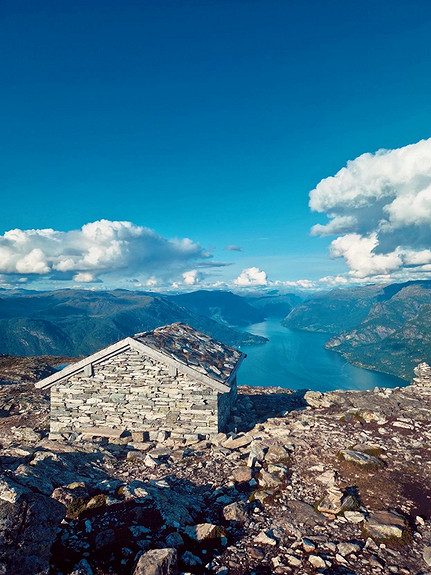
[78,322]
[221,306]
[385,328]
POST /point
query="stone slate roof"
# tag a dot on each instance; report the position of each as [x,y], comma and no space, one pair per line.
[194,349]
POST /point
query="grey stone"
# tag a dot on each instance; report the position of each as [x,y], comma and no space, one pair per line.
[335,501]
[242,474]
[157,562]
[317,561]
[236,511]
[382,524]
[257,453]
[359,458]
[28,528]
[204,531]
[346,549]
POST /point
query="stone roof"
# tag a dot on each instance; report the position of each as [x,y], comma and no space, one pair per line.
[194,349]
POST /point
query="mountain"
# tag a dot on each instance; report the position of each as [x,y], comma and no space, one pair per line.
[333,311]
[221,306]
[79,322]
[275,305]
[384,328]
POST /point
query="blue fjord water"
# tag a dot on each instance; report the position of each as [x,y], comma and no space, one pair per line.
[298,360]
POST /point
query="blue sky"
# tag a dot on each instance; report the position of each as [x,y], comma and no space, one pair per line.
[211,121]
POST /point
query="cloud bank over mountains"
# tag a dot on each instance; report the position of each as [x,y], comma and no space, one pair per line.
[379,206]
[97,249]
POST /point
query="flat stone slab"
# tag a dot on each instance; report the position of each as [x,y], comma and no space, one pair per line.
[102,432]
[383,524]
[360,458]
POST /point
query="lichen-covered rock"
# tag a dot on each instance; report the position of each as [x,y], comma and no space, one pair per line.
[385,524]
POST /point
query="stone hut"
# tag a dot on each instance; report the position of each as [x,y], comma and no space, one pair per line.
[173,380]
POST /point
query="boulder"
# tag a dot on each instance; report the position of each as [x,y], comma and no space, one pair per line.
[276,453]
[28,528]
[359,458]
[204,531]
[242,474]
[236,511]
[157,562]
[317,399]
[385,524]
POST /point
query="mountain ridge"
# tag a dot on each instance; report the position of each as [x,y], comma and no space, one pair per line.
[79,322]
[383,328]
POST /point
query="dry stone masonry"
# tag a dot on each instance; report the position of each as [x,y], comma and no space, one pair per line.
[173,381]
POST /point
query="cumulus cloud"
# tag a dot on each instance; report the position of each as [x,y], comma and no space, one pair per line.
[98,248]
[380,207]
[192,277]
[234,248]
[84,277]
[251,277]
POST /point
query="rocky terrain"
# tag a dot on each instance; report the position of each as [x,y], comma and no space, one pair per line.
[334,483]
[18,369]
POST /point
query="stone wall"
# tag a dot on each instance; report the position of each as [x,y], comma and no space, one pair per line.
[137,393]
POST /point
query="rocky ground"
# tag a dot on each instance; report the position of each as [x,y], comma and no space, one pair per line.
[305,483]
[19,369]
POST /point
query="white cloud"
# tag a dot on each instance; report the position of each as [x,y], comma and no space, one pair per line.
[303,284]
[233,248]
[251,277]
[380,207]
[84,277]
[192,277]
[360,257]
[98,248]
[333,281]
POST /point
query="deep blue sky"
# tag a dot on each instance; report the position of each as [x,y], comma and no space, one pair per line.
[204,119]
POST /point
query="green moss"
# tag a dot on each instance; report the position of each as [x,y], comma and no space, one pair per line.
[97,501]
[392,542]
[317,503]
[75,508]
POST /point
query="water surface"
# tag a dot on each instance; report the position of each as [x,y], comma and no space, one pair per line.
[298,360]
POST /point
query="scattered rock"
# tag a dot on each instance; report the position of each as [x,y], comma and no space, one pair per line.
[427,555]
[317,561]
[242,474]
[157,562]
[335,501]
[236,511]
[308,545]
[317,399]
[345,549]
[263,539]
[354,516]
[204,531]
[385,524]
[359,458]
